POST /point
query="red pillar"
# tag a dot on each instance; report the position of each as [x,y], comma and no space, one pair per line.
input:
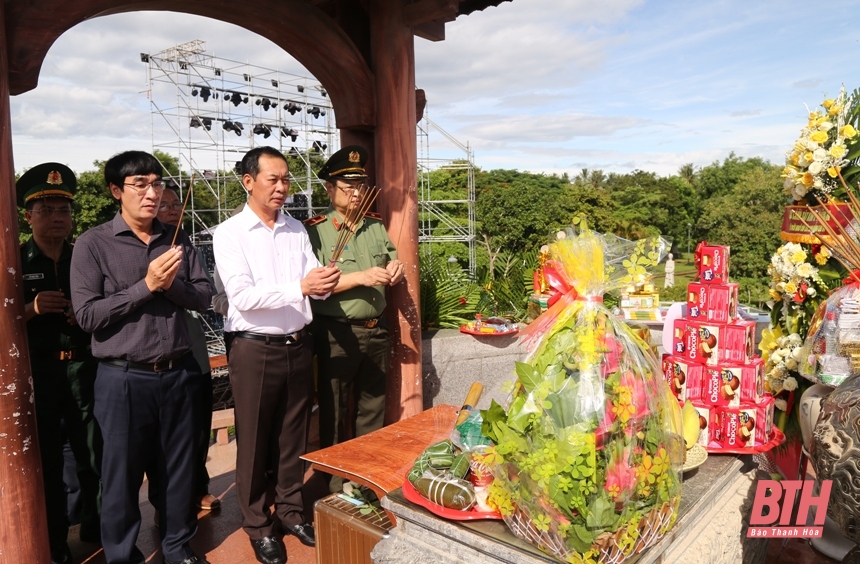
[23,526]
[395,155]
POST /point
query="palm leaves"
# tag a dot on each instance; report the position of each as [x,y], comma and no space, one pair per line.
[450,298]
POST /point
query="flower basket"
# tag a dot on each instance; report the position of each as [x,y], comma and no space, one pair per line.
[588,453]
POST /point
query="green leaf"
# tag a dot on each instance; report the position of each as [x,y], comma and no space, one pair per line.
[581,539]
[527,375]
[495,414]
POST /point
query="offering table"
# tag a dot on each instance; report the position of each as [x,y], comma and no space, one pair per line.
[714,516]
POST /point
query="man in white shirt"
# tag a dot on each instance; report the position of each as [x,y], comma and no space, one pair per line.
[268,268]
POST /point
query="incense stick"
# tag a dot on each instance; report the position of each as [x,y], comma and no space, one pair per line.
[351,222]
[182,213]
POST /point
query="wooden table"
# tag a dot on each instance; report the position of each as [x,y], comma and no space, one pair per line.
[381,460]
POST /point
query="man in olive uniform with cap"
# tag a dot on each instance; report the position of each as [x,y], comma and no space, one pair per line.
[350,333]
[63,368]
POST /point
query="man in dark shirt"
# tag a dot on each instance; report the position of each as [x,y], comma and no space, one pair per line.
[63,368]
[130,287]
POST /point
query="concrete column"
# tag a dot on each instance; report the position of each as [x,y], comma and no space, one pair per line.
[23,525]
[395,155]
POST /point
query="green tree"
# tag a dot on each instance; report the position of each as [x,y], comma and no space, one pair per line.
[748,218]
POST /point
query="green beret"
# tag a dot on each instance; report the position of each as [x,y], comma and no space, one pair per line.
[347,163]
[47,180]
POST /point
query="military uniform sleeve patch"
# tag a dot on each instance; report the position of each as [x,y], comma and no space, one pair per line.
[373,215]
[315,220]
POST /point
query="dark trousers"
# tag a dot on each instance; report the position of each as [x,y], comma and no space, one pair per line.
[147,417]
[63,391]
[350,357]
[201,452]
[272,389]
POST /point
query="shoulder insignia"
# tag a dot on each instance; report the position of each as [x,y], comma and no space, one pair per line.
[373,215]
[315,220]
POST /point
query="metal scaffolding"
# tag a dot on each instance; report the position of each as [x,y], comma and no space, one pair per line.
[436,225]
[207,112]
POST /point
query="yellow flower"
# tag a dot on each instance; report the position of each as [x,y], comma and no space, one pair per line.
[808,156]
[815,115]
[828,103]
[834,110]
[774,294]
[833,171]
[795,157]
[848,131]
[798,256]
[768,341]
[790,288]
[807,180]
[837,151]
[819,137]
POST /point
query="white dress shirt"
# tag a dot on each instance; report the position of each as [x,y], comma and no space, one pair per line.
[261,269]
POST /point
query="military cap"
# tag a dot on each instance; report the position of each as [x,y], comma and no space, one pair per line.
[347,163]
[47,180]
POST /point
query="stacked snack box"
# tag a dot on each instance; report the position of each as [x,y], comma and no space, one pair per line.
[712,362]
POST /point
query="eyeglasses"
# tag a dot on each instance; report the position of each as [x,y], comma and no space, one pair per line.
[351,188]
[48,211]
[140,187]
[167,207]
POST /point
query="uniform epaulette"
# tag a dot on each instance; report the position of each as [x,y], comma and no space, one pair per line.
[314,220]
[373,215]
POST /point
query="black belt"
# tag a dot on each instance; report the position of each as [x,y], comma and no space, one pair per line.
[161,366]
[290,339]
[367,323]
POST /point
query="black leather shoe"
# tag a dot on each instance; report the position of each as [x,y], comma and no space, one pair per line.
[193,559]
[305,532]
[268,551]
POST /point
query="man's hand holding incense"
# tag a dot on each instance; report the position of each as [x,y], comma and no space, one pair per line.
[396,270]
[320,281]
[162,270]
[375,276]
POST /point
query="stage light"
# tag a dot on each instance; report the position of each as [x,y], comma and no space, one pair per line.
[236,99]
[291,133]
[217,72]
[292,108]
[207,123]
[205,93]
[245,99]
[323,92]
[235,127]
[262,129]
[194,92]
[144,58]
[267,104]
[247,77]
[315,111]
[238,167]
[258,101]
[275,83]
[319,146]
[195,122]
[300,88]
[183,65]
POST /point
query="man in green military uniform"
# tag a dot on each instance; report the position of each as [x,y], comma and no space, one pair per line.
[350,333]
[63,368]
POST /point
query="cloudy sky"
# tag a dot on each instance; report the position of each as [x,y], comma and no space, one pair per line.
[542,85]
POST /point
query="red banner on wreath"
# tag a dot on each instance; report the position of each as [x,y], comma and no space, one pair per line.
[800,226]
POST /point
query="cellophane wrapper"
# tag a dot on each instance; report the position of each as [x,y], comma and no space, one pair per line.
[588,455]
[831,351]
